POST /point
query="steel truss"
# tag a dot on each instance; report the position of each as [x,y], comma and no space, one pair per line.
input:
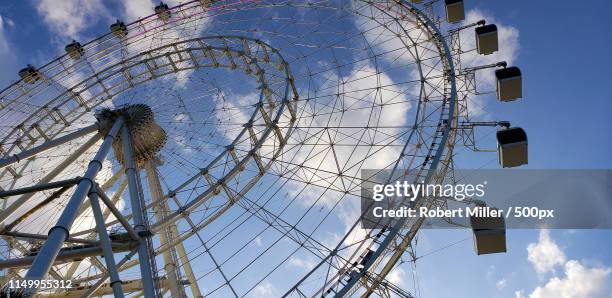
[285,141]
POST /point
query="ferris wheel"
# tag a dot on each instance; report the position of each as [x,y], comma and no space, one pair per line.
[216,148]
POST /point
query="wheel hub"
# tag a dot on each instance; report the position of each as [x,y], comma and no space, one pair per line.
[148,138]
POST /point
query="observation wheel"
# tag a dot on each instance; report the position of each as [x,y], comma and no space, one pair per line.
[216,149]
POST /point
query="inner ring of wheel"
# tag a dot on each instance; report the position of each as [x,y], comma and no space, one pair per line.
[233,52]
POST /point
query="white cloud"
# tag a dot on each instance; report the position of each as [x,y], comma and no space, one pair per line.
[265,289]
[158,36]
[258,241]
[364,104]
[9,22]
[508,38]
[509,45]
[4,44]
[7,55]
[501,284]
[579,281]
[136,9]
[68,18]
[228,111]
[519,294]
[370,98]
[545,255]
[302,263]
[397,276]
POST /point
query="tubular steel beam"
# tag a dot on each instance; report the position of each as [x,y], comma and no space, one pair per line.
[105,242]
[56,194]
[107,184]
[65,255]
[74,266]
[475,68]
[139,223]
[103,276]
[60,232]
[104,289]
[166,234]
[38,187]
[47,145]
[44,237]
[395,230]
[109,203]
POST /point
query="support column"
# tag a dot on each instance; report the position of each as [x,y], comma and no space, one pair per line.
[139,223]
[74,266]
[182,255]
[105,241]
[60,232]
[166,234]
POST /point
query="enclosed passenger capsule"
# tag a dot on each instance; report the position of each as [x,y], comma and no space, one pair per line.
[486,39]
[30,75]
[509,83]
[489,233]
[75,50]
[512,147]
[119,29]
[454,11]
[163,12]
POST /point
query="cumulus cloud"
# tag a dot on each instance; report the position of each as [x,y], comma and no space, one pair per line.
[400,49]
[7,54]
[4,44]
[545,255]
[508,38]
[577,279]
[136,9]
[68,18]
[265,289]
[155,36]
[370,98]
[305,264]
[397,276]
[501,284]
[258,241]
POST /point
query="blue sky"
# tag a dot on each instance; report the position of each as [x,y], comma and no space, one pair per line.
[564,54]
[565,60]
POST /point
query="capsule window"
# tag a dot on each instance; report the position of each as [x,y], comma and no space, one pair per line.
[509,83]
[75,50]
[30,75]
[512,147]
[119,29]
[454,11]
[486,39]
[366,257]
[163,12]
